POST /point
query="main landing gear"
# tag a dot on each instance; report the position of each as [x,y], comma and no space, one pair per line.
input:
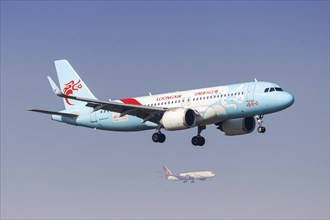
[199,140]
[158,137]
[260,129]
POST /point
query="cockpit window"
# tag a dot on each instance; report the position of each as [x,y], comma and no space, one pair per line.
[273,89]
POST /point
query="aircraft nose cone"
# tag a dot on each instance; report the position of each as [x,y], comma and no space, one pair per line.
[287,100]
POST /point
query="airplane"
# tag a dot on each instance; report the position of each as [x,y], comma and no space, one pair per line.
[190,176]
[234,109]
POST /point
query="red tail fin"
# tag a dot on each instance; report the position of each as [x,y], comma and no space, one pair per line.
[167,171]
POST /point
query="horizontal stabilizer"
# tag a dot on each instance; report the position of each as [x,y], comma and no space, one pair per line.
[55,88]
[54,113]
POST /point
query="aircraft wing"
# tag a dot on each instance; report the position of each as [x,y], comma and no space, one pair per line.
[153,114]
[186,177]
[146,113]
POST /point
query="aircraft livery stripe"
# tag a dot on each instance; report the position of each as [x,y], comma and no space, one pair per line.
[130,101]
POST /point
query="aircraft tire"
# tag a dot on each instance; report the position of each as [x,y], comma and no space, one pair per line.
[201,141]
[162,138]
[261,129]
[155,137]
[198,141]
[158,137]
[195,141]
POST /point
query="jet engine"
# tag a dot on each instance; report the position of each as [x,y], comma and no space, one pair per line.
[237,126]
[179,119]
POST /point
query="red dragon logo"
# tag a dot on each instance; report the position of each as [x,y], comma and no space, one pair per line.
[70,87]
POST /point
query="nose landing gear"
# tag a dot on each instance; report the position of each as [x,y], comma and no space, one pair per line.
[199,140]
[260,129]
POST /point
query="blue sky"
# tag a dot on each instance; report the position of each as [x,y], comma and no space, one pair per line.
[123,49]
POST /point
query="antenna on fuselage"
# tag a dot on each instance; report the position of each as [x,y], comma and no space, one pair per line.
[255,79]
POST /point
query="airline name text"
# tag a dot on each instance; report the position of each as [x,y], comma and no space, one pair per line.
[206,92]
[168,97]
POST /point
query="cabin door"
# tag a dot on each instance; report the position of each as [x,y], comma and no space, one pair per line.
[250,92]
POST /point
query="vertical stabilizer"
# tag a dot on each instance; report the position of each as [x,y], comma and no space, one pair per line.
[71,84]
[167,171]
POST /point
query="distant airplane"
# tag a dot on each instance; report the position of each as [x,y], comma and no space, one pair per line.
[234,109]
[190,176]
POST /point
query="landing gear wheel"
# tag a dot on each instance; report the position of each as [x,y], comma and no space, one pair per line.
[158,137]
[198,141]
[155,137]
[261,129]
[162,138]
[195,141]
[201,141]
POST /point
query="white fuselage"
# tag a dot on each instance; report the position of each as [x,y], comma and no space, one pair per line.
[202,175]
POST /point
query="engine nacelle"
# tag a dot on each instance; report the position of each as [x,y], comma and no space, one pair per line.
[179,119]
[237,126]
